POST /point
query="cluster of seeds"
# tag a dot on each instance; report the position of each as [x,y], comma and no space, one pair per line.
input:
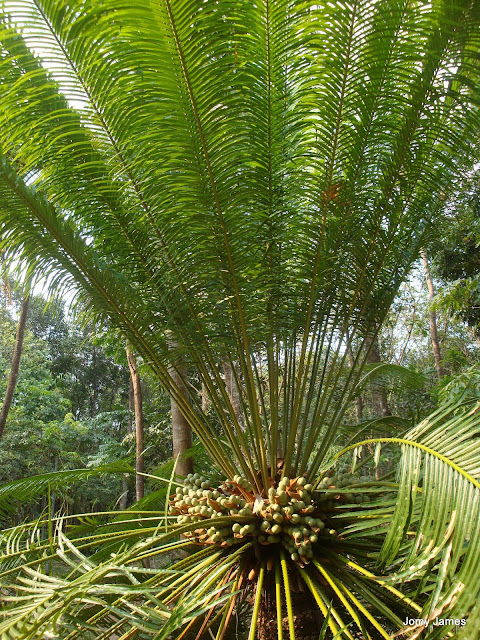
[342,478]
[285,515]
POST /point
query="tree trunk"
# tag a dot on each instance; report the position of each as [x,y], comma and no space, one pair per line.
[233,393]
[433,318]
[181,429]
[379,397]
[15,366]
[53,498]
[358,399]
[131,408]
[95,383]
[138,405]
[205,399]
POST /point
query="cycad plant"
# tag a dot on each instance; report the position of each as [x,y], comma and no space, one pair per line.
[245,184]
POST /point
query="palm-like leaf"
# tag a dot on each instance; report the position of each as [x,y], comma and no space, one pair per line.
[249,183]
[27,489]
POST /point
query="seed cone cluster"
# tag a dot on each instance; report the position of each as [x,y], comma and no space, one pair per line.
[286,515]
[342,479]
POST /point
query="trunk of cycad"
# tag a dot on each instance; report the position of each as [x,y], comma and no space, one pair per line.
[306,615]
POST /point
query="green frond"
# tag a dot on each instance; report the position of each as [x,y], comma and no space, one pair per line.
[244,186]
[431,540]
[28,489]
[306,149]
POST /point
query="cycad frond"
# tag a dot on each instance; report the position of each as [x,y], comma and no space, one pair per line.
[27,489]
[246,184]
[432,539]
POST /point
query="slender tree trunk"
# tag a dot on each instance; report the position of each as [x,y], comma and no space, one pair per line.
[131,408]
[358,399]
[205,398]
[15,366]
[53,498]
[233,393]
[181,429]
[409,334]
[379,399]
[95,382]
[379,396]
[138,405]
[433,317]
